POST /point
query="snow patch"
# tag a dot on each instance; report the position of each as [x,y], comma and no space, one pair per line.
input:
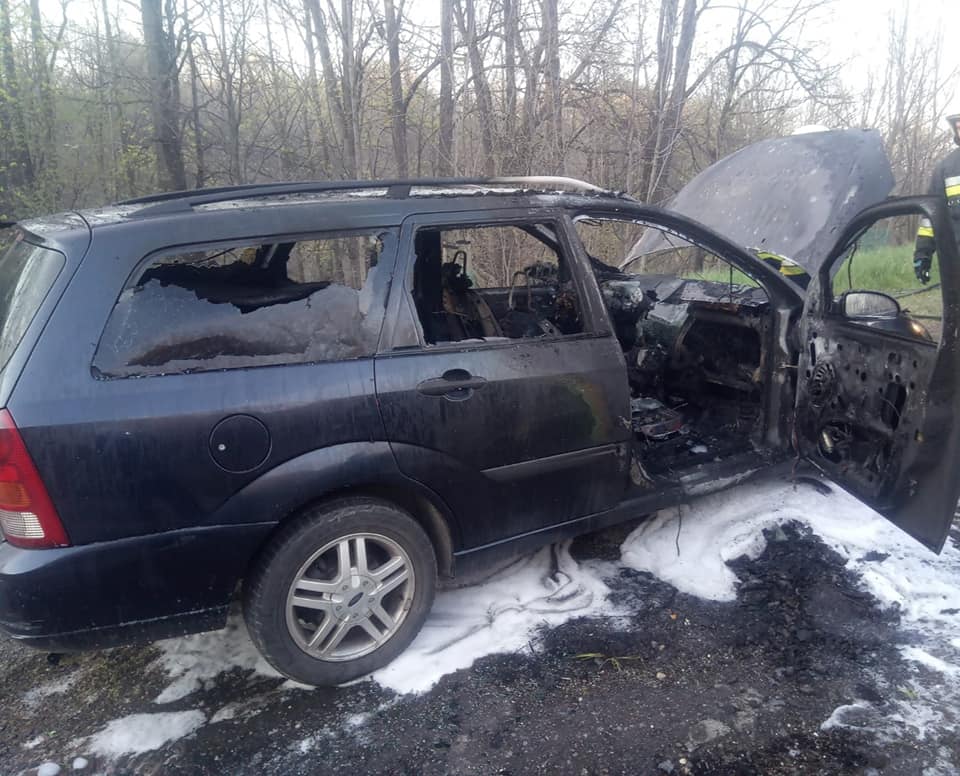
[138,733]
[79,763]
[500,614]
[48,769]
[33,743]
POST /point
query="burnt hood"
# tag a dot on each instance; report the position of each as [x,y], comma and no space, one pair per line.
[788,195]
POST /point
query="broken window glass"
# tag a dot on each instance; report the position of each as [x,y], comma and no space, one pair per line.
[310,300]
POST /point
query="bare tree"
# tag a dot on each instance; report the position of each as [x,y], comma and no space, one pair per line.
[446,109]
[159,38]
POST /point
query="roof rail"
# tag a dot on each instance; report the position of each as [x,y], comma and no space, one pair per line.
[179,201]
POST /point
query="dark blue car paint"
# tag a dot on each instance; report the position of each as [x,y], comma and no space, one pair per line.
[162,534]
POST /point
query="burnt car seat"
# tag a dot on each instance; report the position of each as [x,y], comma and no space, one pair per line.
[448,308]
[468,314]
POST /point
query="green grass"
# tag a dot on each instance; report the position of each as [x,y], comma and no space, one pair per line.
[887,268]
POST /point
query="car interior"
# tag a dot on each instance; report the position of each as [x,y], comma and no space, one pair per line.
[468,284]
[696,350]
[695,347]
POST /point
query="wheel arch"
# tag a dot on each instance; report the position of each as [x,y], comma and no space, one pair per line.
[354,469]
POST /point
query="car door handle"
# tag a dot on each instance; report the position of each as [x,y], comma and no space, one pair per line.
[454,384]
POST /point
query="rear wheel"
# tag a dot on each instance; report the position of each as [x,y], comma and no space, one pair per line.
[340,591]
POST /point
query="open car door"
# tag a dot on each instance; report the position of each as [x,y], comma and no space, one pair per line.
[878,406]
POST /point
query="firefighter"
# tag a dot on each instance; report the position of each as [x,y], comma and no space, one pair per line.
[945,182]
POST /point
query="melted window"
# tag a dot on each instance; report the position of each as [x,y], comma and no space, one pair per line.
[319,299]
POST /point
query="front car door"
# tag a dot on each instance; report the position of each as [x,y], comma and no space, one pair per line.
[513,407]
[877,406]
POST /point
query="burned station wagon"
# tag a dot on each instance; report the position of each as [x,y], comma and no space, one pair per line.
[327,396]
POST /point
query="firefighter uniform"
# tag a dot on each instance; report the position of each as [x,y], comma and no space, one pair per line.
[945,183]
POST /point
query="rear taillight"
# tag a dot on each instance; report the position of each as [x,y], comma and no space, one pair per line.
[27,516]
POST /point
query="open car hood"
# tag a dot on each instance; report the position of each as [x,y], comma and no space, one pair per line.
[789,195]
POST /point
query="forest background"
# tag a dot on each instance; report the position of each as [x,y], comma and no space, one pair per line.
[102,100]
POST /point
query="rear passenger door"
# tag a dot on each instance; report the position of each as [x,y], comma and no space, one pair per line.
[517,423]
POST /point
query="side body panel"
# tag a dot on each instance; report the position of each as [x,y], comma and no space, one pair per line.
[125,457]
[540,441]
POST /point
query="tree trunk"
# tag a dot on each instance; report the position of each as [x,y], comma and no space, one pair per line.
[232,123]
[199,154]
[47,159]
[553,93]
[673,67]
[511,31]
[348,161]
[467,18]
[164,97]
[17,164]
[445,156]
[348,80]
[398,106]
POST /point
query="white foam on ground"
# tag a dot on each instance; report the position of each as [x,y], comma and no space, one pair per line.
[34,697]
[140,733]
[193,660]
[504,612]
[924,587]
[500,614]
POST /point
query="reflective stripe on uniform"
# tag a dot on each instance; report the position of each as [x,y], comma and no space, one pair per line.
[925,229]
[952,186]
[791,268]
[782,264]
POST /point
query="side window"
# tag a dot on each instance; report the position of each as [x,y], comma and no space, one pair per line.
[877,284]
[493,282]
[254,304]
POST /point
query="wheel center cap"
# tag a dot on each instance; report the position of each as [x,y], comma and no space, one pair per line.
[353,600]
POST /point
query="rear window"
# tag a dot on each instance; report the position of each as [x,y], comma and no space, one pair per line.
[251,304]
[27,273]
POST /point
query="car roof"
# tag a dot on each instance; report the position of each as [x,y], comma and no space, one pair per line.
[393,199]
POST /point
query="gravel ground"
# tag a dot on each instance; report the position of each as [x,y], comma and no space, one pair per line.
[681,685]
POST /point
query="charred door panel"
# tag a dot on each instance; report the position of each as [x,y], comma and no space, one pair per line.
[866,404]
[535,444]
[877,405]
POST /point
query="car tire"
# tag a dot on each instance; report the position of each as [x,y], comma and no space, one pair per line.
[340,591]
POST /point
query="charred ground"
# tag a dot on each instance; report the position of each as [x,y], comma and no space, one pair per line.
[681,685]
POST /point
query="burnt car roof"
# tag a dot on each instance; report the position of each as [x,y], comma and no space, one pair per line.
[392,199]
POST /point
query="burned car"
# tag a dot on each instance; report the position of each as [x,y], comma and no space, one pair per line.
[329,396]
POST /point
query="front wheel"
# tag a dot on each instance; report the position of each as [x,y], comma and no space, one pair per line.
[340,591]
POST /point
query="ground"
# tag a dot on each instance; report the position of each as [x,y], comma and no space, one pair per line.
[812,656]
